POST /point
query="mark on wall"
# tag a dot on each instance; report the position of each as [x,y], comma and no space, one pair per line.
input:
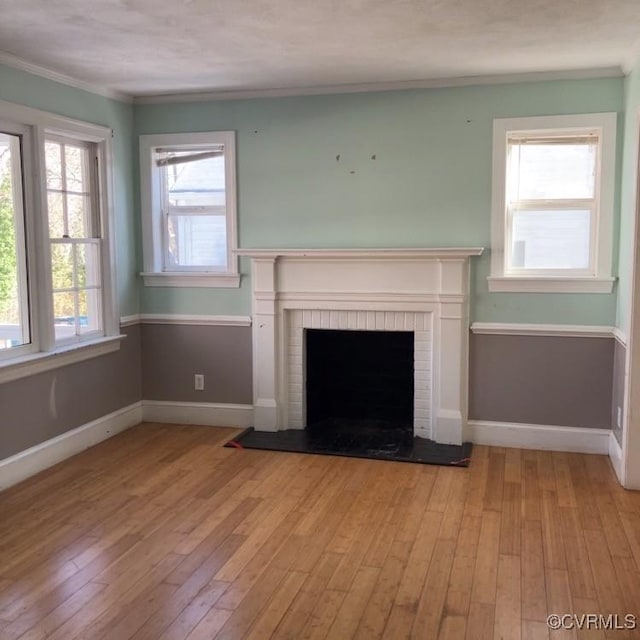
[53,409]
[352,171]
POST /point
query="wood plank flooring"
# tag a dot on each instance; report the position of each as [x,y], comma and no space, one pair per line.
[162,534]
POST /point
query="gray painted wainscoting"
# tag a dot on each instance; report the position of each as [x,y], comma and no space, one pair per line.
[619,357]
[172,354]
[568,381]
[556,380]
[46,405]
[548,380]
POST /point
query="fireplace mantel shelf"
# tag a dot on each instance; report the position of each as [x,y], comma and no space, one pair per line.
[421,253]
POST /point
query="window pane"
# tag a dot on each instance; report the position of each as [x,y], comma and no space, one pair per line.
[551,239]
[64,311]
[88,261]
[197,241]
[57,227]
[62,265]
[77,312]
[89,311]
[200,183]
[14,302]
[551,171]
[74,161]
[78,208]
[52,151]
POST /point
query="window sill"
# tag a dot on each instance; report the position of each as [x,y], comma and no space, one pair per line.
[45,361]
[191,279]
[556,284]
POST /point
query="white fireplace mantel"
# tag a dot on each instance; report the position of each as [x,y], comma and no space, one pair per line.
[421,290]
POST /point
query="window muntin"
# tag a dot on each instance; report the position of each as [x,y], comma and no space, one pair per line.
[15,330]
[74,236]
[551,202]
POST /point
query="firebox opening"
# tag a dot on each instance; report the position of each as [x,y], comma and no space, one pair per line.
[360,379]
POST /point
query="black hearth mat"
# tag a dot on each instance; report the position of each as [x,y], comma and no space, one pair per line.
[377,444]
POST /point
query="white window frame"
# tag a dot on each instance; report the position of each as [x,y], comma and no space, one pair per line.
[43,353]
[93,180]
[153,245]
[598,279]
[25,260]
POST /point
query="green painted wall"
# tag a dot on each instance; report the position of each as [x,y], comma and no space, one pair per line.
[627,196]
[428,185]
[32,91]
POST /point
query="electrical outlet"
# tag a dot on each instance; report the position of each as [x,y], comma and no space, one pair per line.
[619,419]
[198,379]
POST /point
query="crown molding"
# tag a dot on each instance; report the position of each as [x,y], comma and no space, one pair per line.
[14,62]
[435,83]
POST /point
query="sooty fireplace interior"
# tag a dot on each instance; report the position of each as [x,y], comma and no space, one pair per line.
[359,385]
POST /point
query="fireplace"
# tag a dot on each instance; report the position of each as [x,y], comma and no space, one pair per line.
[419,292]
[416,326]
[359,379]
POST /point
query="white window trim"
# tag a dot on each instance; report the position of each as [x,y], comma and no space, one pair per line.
[153,272]
[44,354]
[555,281]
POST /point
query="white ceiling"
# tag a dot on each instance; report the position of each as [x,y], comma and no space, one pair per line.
[144,47]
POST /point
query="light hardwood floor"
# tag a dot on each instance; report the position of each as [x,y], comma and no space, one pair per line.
[161,533]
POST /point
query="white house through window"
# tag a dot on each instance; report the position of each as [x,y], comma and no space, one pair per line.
[194,208]
[552,205]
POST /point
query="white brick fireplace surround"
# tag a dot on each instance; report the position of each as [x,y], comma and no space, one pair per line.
[420,290]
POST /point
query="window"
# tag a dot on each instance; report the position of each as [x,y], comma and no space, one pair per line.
[553,189]
[189,209]
[15,325]
[57,303]
[74,237]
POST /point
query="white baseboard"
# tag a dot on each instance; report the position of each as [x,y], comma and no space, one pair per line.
[201,413]
[615,455]
[537,436]
[46,454]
